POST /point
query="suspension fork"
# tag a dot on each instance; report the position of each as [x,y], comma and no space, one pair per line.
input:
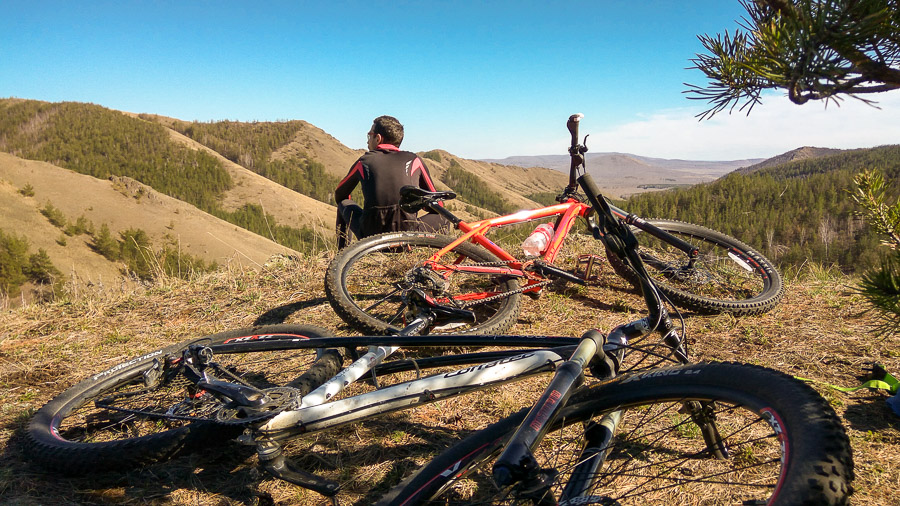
[517,466]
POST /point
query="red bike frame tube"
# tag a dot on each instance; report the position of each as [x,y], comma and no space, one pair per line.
[476,230]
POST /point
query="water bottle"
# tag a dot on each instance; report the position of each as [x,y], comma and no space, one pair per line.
[537,242]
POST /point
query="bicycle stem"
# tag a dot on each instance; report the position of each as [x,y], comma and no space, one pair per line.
[576,150]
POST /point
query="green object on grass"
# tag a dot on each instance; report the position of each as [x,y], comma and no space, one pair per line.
[879,380]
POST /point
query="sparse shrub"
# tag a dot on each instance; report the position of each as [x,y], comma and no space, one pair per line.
[13,261]
[81,226]
[173,262]
[432,155]
[135,251]
[27,190]
[105,244]
[54,215]
[18,267]
[880,285]
[41,268]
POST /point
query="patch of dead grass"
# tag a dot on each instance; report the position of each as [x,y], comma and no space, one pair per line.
[819,331]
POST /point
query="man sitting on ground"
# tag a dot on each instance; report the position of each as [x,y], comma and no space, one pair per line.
[382,171]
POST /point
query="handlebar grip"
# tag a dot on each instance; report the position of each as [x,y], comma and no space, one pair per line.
[572,125]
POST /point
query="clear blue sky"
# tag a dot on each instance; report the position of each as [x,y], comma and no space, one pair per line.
[479,79]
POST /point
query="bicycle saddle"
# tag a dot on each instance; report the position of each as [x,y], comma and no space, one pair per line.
[413,198]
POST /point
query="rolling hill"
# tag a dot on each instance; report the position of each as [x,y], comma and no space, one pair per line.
[228,190]
[120,203]
[623,174]
[188,183]
[794,213]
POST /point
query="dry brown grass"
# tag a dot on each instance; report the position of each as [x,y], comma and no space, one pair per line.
[819,331]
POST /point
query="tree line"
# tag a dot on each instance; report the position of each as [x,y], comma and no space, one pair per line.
[252,145]
[793,213]
[100,142]
[475,190]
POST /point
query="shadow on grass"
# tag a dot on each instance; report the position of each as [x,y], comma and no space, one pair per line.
[228,473]
[280,314]
[871,414]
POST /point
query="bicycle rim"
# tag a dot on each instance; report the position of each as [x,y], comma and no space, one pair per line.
[147,410]
[727,276]
[792,450]
[366,282]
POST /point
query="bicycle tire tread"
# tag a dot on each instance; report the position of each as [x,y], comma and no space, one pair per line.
[351,314]
[760,304]
[819,470]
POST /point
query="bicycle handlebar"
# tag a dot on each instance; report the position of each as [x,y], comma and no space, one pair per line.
[572,125]
[576,150]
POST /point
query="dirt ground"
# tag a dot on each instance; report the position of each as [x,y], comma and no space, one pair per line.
[819,331]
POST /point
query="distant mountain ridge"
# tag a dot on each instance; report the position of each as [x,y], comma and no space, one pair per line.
[624,174]
[804,153]
[796,213]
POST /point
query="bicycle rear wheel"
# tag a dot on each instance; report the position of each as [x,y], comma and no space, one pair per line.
[727,277]
[145,410]
[784,444]
[366,280]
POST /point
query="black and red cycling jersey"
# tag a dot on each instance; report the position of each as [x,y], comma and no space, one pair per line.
[382,173]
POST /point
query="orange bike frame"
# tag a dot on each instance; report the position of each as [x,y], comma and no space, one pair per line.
[475,231]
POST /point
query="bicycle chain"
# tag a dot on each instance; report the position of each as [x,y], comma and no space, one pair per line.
[504,294]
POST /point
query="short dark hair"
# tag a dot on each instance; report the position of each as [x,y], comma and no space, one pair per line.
[389,128]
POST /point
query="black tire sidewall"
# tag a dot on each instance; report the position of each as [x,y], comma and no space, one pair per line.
[812,433]
[71,457]
[336,289]
[767,299]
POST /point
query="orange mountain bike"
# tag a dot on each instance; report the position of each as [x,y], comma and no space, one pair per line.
[697,268]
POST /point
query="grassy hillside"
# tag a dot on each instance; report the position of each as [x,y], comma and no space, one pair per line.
[100,142]
[818,332]
[216,166]
[63,212]
[794,213]
[253,145]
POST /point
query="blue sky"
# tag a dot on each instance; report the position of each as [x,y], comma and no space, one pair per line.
[479,79]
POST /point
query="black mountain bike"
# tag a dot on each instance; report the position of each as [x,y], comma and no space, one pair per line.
[619,419]
[695,267]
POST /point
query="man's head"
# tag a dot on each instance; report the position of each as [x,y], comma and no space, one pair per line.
[385,130]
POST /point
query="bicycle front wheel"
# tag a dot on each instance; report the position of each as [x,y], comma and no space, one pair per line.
[727,277]
[754,436]
[146,410]
[365,283]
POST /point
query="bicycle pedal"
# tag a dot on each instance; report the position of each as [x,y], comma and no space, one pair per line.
[588,267]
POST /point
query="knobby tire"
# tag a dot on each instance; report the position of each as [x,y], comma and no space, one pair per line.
[728,277]
[72,434]
[365,281]
[658,455]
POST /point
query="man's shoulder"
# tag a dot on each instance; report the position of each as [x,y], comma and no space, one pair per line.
[385,153]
